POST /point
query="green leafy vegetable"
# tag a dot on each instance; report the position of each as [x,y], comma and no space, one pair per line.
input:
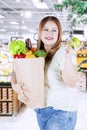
[40,53]
[17,47]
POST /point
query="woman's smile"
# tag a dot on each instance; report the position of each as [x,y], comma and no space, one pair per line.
[49,38]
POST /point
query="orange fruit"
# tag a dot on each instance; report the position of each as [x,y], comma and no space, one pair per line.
[33,49]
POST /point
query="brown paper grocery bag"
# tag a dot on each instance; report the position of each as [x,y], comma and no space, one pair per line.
[30,71]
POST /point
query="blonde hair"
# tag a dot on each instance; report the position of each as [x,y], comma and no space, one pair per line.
[56,46]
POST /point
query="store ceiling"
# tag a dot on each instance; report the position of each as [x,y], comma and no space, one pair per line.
[15,11]
[15,21]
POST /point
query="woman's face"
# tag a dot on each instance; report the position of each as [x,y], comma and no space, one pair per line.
[49,34]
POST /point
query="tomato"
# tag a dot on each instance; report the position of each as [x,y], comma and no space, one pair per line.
[19,55]
[16,56]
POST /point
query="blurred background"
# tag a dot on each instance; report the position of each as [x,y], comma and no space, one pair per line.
[20,19]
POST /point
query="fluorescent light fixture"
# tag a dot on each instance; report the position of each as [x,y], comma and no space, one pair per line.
[1,21]
[24,27]
[23,22]
[1,16]
[13,22]
[17,27]
[2,30]
[40,5]
[17,0]
[26,14]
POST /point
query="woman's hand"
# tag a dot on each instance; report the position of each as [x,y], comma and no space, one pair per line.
[23,94]
[22,91]
[70,52]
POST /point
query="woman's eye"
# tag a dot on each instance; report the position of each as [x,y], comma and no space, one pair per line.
[45,29]
[54,30]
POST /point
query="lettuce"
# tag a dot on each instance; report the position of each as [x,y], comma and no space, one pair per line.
[17,47]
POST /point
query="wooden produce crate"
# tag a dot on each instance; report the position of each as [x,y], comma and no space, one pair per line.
[9,103]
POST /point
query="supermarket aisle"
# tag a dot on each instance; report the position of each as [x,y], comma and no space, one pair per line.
[82,112]
[82,119]
[26,119]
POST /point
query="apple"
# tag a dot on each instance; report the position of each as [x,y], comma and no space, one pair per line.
[75,42]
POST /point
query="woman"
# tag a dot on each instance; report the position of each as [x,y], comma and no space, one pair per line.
[60,108]
[60,79]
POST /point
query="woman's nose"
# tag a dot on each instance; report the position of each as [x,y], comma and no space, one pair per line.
[50,32]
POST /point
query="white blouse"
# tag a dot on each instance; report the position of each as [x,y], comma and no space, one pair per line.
[57,94]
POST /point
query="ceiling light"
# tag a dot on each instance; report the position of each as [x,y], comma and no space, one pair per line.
[17,27]
[1,16]
[40,5]
[17,0]
[24,27]
[2,30]
[23,22]
[1,21]
[13,22]
[26,14]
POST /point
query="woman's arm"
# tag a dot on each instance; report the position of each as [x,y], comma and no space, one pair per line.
[70,73]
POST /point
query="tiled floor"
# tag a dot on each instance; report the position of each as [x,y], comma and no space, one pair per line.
[82,112]
[26,119]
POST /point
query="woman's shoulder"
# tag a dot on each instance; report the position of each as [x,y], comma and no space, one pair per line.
[61,51]
[58,57]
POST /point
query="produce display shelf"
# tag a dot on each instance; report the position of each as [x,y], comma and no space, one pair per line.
[9,103]
[85,71]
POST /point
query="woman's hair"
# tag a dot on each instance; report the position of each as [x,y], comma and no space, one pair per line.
[56,46]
